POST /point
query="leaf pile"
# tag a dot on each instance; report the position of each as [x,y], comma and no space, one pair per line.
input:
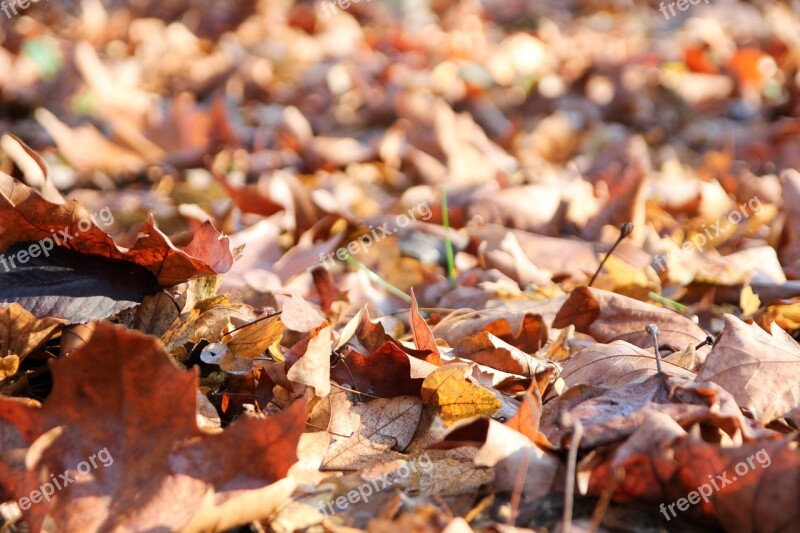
[269,269]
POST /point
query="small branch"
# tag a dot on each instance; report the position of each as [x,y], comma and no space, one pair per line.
[709,341]
[572,467]
[653,330]
[624,230]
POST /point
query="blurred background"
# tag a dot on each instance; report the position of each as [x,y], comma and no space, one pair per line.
[557,118]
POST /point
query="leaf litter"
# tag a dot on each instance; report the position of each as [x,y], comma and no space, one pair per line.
[228,300]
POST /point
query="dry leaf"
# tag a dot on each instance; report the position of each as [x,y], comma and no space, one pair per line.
[448,391]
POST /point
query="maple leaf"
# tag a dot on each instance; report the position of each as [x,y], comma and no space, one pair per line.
[25,216]
[119,399]
[760,370]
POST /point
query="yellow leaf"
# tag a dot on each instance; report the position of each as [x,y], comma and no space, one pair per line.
[21,332]
[749,301]
[255,338]
[447,389]
[8,366]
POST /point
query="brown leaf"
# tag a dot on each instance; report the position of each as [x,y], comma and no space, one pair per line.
[385,373]
[252,339]
[608,414]
[313,369]
[516,460]
[560,257]
[520,328]
[760,370]
[527,419]
[365,432]
[748,488]
[607,317]
[486,349]
[423,336]
[21,332]
[26,216]
[158,468]
[615,364]
[328,293]
[297,314]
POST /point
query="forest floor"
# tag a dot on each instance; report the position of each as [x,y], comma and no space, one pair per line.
[374,265]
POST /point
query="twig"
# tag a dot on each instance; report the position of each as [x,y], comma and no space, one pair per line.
[602,505]
[653,330]
[572,466]
[519,485]
[624,230]
[709,341]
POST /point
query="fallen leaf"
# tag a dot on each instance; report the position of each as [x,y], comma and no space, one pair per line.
[607,317]
[21,332]
[760,370]
[27,217]
[488,350]
[448,391]
[364,432]
[158,468]
[313,369]
[423,336]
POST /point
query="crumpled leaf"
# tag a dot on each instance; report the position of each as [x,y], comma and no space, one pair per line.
[486,349]
[26,216]
[661,464]
[20,334]
[521,329]
[518,463]
[385,373]
[237,349]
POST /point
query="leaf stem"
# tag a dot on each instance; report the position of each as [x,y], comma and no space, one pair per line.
[624,230]
[654,330]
